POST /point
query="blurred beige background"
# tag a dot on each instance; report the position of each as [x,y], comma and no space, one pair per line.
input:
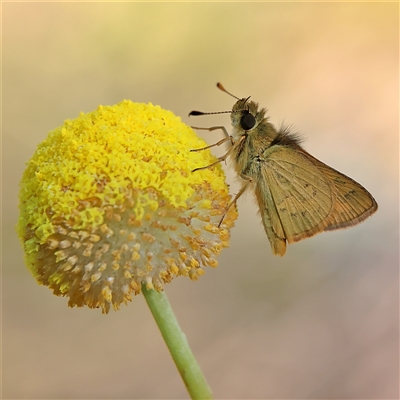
[322,322]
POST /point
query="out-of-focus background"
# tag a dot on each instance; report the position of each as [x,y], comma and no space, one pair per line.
[322,322]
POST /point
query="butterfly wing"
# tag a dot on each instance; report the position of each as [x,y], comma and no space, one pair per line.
[294,196]
[299,196]
[353,202]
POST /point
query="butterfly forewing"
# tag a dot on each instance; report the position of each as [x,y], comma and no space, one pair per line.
[302,195]
[353,202]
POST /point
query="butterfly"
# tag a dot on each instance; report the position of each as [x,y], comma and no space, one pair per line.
[298,195]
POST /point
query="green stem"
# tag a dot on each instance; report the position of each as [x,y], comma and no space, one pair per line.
[177,344]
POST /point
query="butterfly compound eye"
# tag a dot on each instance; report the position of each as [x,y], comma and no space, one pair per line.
[247,121]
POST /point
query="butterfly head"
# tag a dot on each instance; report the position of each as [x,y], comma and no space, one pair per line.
[246,115]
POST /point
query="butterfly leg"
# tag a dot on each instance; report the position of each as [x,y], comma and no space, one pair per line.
[220,159]
[212,145]
[214,128]
[225,139]
[235,199]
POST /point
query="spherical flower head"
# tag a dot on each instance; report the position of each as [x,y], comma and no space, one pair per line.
[109,202]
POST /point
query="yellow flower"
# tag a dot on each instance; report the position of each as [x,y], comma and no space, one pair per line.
[109,202]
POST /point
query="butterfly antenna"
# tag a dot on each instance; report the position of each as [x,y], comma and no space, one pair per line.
[221,87]
[194,113]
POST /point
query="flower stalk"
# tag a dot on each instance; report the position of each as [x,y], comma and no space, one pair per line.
[177,344]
